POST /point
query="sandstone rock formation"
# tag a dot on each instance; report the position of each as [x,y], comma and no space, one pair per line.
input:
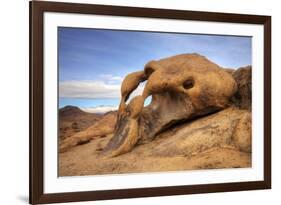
[182,87]
[209,130]
[243,96]
[209,142]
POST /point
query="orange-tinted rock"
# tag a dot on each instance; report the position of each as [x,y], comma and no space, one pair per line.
[182,87]
[243,96]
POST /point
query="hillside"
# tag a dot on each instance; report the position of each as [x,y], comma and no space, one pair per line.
[73,120]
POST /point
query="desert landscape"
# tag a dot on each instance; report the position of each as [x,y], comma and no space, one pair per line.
[197,122]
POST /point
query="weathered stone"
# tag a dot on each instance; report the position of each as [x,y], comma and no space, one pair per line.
[242,135]
[243,96]
[182,87]
[210,142]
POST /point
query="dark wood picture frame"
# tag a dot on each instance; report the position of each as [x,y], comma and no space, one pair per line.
[37,8]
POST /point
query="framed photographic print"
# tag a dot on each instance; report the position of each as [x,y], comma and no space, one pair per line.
[139,102]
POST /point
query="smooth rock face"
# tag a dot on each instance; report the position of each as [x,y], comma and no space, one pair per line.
[230,127]
[182,87]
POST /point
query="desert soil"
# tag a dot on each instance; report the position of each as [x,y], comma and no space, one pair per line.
[219,140]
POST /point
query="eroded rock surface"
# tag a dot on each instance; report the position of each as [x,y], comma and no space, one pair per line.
[206,143]
[243,96]
[182,87]
[176,131]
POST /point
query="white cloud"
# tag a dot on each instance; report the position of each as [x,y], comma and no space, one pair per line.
[111,78]
[116,78]
[88,89]
[92,89]
[100,109]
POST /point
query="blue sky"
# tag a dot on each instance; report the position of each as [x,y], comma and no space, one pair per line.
[92,63]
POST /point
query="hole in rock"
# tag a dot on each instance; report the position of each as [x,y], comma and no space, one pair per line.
[136,92]
[188,84]
[147,101]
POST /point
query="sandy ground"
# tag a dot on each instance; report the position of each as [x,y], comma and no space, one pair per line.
[207,143]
